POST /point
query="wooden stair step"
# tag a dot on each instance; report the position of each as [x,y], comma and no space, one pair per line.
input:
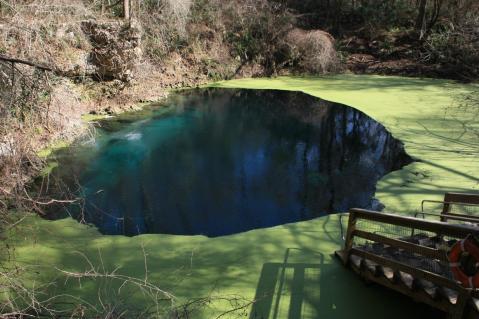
[372,267]
[475,304]
[388,273]
[429,288]
[408,280]
[449,294]
[355,260]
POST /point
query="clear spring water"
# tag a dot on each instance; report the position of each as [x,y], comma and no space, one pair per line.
[220,161]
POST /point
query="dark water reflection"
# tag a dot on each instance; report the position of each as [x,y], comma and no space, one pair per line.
[219,162]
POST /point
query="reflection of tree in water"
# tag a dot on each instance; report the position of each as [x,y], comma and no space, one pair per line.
[354,150]
[235,160]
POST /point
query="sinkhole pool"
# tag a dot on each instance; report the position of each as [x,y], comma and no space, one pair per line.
[222,161]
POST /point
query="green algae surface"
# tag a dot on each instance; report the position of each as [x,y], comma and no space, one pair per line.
[289,270]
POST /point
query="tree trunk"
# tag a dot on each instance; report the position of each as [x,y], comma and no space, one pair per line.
[126,9]
[421,19]
[435,14]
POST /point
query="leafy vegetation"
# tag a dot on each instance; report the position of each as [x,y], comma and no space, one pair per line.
[443,33]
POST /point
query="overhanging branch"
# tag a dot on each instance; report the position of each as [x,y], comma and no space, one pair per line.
[41,66]
[33,64]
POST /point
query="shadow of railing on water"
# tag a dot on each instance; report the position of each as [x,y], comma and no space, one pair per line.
[279,282]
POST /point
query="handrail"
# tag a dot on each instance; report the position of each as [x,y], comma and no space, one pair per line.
[444,215]
[458,199]
[446,202]
[419,249]
[438,227]
[461,217]
[462,198]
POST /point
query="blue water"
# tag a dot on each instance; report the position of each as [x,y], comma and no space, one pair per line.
[218,162]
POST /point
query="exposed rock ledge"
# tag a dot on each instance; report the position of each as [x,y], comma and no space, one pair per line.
[115,48]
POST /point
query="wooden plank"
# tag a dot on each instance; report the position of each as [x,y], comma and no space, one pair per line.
[372,267]
[457,198]
[475,304]
[454,310]
[432,292]
[422,250]
[429,288]
[461,198]
[417,273]
[408,280]
[441,228]
[355,260]
[461,217]
[446,207]
[416,295]
[388,273]
[342,255]
[449,294]
[475,293]
[365,265]
[348,243]
[461,303]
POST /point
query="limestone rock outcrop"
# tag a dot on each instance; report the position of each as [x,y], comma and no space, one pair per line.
[115,48]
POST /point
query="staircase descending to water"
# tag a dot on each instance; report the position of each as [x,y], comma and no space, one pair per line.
[410,255]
